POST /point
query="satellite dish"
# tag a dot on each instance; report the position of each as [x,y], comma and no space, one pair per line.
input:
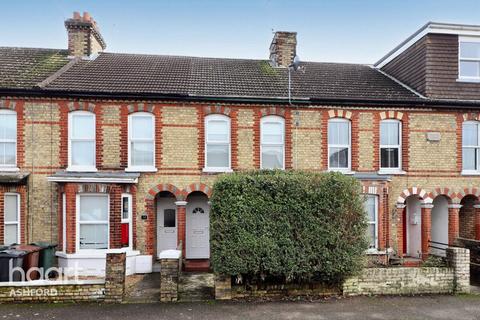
[296,63]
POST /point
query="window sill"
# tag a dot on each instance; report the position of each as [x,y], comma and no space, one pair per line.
[9,169]
[474,80]
[141,169]
[344,171]
[470,173]
[216,170]
[81,169]
[393,172]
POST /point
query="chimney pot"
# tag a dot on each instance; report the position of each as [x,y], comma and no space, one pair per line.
[86,17]
[283,48]
[76,15]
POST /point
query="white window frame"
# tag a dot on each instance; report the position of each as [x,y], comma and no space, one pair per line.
[460,59]
[91,222]
[218,117]
[129,220]
[399,147]
[131,167]
[18,222]
[477,148]
[369,222]
[64,222]
[11,167]
[70,120]
[272,119]
[348,169]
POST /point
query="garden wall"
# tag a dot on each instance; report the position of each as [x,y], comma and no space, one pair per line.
[110,289]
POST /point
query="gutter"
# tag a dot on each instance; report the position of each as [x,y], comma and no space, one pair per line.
[39,93]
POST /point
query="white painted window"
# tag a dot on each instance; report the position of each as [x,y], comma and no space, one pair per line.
[217,143]
[272,142]
[141,142]
[11,207]
[93,225]
[8,139]
[339,144]
[390,144]
[81,142]
[469,58]
[127,217]
[371,209]
[470,146]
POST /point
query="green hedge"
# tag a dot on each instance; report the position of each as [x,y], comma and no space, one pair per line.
[291,225]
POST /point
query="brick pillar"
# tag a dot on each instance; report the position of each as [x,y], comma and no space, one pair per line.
[169,275]
[477,221]
[400,226]
[459,260]
[426,228]
[453,222]
[223,287]
[181,220]
[115,277]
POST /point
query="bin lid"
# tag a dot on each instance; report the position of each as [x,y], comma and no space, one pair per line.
[27,247]
[44,244]
[12,253]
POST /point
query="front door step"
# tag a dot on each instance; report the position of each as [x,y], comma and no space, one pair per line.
[197,265]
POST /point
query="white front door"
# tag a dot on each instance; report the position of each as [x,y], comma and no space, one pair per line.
[198,228]
[166,225]
[414,228]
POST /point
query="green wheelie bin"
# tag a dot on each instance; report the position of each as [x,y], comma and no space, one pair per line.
[47,256]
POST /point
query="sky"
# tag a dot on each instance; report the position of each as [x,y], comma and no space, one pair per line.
[354,31]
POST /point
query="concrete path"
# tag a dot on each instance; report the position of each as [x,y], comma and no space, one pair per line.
[195,286]
[384,308]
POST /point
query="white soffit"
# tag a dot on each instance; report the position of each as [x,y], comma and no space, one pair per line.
[431,27]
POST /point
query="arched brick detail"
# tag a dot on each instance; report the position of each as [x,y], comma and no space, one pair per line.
[7,104]
[340,114]
[81,106]
[421,193]
[468,192]
[217,109]
[198,187]
[391,115]
[152,193]
[140,107]
[272,111]
[445,192]
[471,116]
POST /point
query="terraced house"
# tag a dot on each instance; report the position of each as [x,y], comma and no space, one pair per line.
[105,152]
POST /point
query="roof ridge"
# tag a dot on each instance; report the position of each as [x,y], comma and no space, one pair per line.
[58,73]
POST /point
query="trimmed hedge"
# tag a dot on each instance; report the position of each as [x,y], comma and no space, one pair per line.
[292,225]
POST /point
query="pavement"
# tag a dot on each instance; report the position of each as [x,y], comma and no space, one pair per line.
[384,308]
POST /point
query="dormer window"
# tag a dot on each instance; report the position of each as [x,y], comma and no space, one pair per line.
[469,59]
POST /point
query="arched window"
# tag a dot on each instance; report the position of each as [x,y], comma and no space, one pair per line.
[470,146]
[141,142]
[390,145]
[8,139]
[217,143]
[272,141]
[81,141]
[339,144]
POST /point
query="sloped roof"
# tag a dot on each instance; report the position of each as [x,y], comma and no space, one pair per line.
[136,74]
[219,77]
[24,68]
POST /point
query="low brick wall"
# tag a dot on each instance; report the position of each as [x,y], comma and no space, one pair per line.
[109,290]
[170,263]
[277,291]
[400,280]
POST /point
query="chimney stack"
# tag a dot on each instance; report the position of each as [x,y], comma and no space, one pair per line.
[84,38]
[283,48]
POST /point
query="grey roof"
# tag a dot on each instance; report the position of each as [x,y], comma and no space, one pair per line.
[25,67]
[220,77]
[13,177]
[48,70]
[118,176]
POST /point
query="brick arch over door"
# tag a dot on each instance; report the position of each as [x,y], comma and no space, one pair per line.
[152,193]
[448,193]
[197,187]
[421,193]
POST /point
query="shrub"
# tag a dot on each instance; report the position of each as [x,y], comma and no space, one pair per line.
[290,225]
